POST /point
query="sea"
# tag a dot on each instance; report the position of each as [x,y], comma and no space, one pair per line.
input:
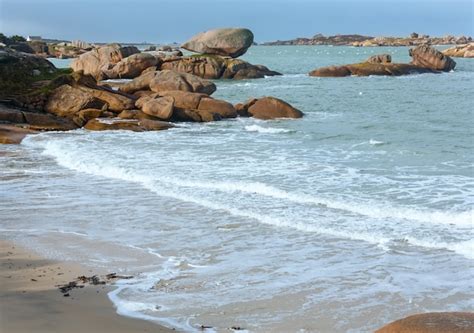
[356,215]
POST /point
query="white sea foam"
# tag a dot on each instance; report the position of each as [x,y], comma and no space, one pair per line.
[270,130]
[68,159]
[376,142]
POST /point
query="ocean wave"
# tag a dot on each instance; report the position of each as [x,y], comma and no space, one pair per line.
[270,130]
[68,159]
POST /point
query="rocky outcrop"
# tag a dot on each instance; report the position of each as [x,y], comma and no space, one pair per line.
[435,322]
[131,67]
[232,42]
[425,60]
[268,108]
[461,51]
[100,61]
[428,57]
[380,59]
[367,69]
[136,125]
[78,92]
[66,101]
[165,80]
[18,70]
[216,67]
[187,106]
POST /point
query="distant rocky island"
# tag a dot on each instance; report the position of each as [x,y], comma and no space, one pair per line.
[361,40]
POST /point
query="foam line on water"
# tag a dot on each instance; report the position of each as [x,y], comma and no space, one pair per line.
[269,130]
[374,211]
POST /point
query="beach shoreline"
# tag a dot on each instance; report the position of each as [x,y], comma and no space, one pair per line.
[32,302]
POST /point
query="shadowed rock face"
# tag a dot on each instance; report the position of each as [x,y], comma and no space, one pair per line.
[216,67]
[267,108]
[437,322]
[425,60]
[232,42]
[428,57]
[11,134]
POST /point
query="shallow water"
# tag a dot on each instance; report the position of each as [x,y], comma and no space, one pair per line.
[358,214]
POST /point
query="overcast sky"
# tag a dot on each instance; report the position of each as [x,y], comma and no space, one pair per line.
[165,21]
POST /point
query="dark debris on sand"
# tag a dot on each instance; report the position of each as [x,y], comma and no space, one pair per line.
[95,280]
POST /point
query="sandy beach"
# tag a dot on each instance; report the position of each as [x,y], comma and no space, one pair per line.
[32,302]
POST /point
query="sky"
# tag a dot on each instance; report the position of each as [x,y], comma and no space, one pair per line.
[167,21]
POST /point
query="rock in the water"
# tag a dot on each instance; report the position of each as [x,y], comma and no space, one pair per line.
[435,322]
[460,51]
[214,106]
[367,69]
[165,80]
[380,59]
[425,60]
[238,69]
[232,42]
[331,71]
[99,61]
[428,57]
[161,107]
[134,114]
[169,80]
[198,107]
[11,134]
[271,108]
[136,125]
[48,122]
[216,67]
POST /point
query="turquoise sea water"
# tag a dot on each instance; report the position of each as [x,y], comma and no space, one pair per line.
[358,214]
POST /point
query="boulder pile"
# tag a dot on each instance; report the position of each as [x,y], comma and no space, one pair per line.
[166,88]
[460,51]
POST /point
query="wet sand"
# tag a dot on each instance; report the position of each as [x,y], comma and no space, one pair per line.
[30,300]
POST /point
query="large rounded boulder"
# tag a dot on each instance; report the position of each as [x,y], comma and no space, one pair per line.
[435,322]
[232,42]
[271,108]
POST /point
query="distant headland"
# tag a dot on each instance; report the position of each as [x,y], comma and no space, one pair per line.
[361,40]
